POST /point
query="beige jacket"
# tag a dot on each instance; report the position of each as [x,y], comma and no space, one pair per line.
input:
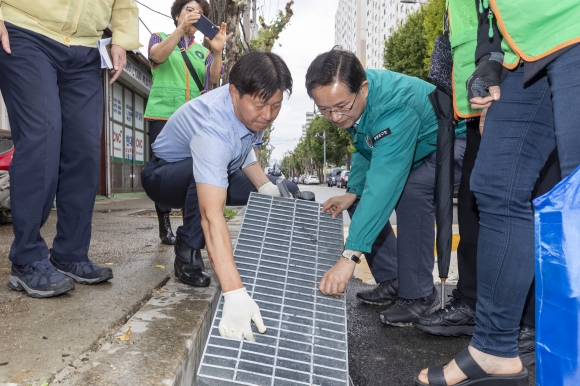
[76,22]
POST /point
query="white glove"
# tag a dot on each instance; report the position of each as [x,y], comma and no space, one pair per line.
[239,310]
[270,189]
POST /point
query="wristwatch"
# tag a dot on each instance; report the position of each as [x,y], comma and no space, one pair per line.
[349,255]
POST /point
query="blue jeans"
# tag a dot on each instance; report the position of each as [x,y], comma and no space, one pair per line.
[521,130]
[54,98]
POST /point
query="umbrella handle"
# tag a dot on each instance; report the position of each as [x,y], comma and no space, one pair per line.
[443,293]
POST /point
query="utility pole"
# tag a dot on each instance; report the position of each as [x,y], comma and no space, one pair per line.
[254,21]
[246,27]
[323,137]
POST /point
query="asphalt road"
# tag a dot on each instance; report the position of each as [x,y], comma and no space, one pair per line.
[386,355]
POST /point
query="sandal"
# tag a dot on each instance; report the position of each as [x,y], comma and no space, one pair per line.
[475,374]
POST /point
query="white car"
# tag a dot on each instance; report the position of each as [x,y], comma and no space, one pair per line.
[311,180]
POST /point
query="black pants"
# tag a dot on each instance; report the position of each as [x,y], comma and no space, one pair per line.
[172,184]
[468,218]
[54,98]
[155,128]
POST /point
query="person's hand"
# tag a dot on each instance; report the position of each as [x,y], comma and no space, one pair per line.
[4,38]
[218,42]
[334,281]
[189,19]
[239,311]
[335,205]
[119,59]
[483,84]
[269,189]
[485,102]
[482,121]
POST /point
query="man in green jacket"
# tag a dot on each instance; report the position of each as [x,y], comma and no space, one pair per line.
[50,78]
[394,130]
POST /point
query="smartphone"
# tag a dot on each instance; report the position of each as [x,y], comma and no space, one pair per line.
[206,27]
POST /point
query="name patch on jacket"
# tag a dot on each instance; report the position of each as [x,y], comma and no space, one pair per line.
[381,134]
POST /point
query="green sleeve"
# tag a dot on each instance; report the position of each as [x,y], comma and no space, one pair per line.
[390,166]
[358,174]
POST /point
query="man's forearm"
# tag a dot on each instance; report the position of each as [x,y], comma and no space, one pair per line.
[219,249]
[256,175]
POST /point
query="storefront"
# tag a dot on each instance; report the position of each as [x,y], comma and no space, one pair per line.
[125,139]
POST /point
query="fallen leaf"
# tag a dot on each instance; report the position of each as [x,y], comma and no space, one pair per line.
[161,290]
[127,335]
[4,363]
[109,263]
[44,384]
[160,266]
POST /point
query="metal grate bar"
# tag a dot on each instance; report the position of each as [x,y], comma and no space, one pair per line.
[283,249]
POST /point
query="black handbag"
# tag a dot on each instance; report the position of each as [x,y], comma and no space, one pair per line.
[442,61]
[192,71]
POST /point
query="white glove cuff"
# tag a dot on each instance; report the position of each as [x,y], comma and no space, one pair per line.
[270,189]
[233,292]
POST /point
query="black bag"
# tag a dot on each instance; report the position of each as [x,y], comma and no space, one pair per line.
[192,71]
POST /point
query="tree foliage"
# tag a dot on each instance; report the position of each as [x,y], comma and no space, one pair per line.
[405,49]
[408,50]
[267,37]
[433,27]
[308,156]
[269,34]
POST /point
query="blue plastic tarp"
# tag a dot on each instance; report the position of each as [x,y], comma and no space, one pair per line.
[557,228]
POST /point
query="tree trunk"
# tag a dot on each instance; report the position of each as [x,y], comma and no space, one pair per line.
[228,11]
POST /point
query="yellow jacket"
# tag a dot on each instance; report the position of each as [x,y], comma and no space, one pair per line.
[76,22]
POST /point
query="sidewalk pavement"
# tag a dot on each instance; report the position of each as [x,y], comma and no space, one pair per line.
[72,339]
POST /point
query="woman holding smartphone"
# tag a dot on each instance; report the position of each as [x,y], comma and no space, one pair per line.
[173,83]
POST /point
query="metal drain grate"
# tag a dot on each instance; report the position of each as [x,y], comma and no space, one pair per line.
[283,249]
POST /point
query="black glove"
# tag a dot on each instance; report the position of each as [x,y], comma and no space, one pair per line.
[486,74]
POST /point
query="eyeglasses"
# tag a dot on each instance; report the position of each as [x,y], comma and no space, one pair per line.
[325,112]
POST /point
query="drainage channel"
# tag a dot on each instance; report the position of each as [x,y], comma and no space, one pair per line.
[283,249]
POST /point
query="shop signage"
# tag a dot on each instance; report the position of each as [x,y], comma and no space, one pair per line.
[136,73]
[117,142]
[128,144]
[139,148]
[117,102]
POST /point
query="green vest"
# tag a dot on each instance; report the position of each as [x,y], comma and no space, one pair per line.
[462,16]
[534,29]
[172,84]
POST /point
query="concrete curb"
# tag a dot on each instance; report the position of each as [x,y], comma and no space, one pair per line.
[167,338]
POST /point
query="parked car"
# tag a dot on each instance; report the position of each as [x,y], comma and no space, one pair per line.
[331,181]
[311,179]
[342,181]
[333,177]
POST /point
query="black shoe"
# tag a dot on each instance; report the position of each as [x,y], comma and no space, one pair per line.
[165,233]
[527,345]
[405,311]
[84,272]
[189,267]
[39,279]
[383,294]
[456,319]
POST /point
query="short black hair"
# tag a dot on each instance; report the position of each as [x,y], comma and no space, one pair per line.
[332,66]
[178,5]
[261,74]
